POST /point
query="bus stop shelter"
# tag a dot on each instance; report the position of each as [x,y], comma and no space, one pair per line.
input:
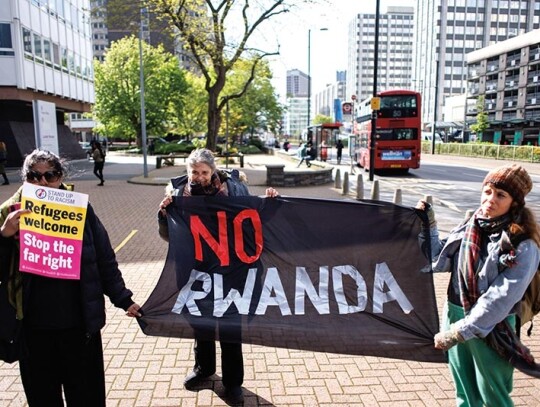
[323,137]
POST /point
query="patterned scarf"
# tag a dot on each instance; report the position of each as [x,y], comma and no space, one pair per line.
[216,187]
[470,250]
[503,338]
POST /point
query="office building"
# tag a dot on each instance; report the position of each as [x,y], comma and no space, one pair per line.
[296,116]
[506,77]
[396,28]
[324,102]
[295,119]
[447,30]
[297,83]
[46,58]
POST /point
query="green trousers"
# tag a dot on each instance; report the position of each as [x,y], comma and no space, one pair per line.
[481,376]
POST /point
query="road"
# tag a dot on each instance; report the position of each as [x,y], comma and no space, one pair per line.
[454,183]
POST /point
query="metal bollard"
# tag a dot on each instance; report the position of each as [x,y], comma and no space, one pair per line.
[337,180]
[428,199]
[345,183]
[375,195]
[397,197]
[360,187]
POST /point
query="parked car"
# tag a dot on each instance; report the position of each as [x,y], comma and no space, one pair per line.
[87,148]
[428,136]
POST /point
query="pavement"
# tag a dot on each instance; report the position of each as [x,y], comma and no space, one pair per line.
[149,371]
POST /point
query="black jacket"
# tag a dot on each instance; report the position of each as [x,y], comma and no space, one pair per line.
[235,187]
[99,275]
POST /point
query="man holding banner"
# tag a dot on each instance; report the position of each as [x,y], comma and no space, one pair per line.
[57,262]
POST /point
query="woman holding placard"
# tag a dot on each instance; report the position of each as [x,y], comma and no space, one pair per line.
[61,317]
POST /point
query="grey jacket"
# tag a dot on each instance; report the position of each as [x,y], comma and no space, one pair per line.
[501,288]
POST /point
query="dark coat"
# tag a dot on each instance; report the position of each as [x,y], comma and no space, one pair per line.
[235,187]
[99,274]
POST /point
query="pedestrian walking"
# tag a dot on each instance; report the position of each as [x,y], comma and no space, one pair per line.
[61,319]
[339,148]
[99,161]
[203,178]
[303,155]
[492,258]
[3,161]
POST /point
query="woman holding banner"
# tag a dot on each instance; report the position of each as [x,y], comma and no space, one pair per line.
[492,258]
[203,178]
[61,318]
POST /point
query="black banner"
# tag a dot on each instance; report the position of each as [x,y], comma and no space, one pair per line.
[330,276]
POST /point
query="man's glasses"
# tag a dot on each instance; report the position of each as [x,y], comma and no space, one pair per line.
[50,176]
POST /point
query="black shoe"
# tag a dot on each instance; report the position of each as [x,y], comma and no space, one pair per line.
[234,395]
[100,184]
[6,183]
[194,379]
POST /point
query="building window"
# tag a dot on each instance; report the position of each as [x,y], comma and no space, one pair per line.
[27,43]
[6,46]
[63,53]
[56,56]
[38,52]
[47,52]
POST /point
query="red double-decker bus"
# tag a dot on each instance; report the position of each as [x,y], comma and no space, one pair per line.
[398,134]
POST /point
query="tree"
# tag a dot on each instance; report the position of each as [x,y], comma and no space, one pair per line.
[206,29]
[118,93]
[321,119]
[259,106]
[482,122]
[190,116]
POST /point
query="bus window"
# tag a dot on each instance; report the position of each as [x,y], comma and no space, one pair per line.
[396,134]
[398,106]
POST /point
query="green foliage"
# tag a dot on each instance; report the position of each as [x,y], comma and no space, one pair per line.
[258,107]
[168,148]
[198,142]
[488,150]
[257,142]
[321,119]
[190,116]
[117,87]
[249,149]
[482,122]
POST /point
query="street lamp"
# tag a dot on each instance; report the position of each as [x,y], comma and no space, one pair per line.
[143,109]
[309,75]
[374,113]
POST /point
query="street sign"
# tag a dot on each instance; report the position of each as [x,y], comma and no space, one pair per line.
[375,103]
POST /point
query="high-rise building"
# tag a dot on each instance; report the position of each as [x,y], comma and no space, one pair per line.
[504,81]
[112,21]
[325,100]
[395,53]
[295,119]
[297,83]
[296,115]
[447,30]
[46,59]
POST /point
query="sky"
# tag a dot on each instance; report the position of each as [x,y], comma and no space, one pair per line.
[328,48]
